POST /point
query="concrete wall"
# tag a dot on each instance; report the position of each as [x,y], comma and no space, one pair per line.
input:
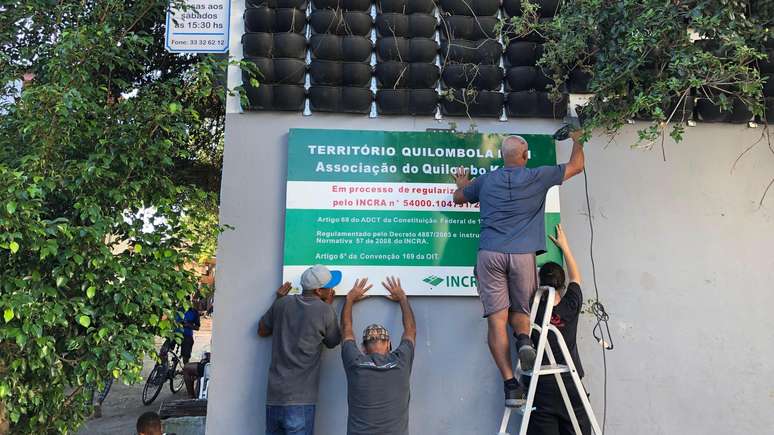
[684,261]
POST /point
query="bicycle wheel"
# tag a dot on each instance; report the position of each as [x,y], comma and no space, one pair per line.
[176,379]
[153,385]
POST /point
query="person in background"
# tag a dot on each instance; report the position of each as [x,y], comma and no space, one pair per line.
[550,416]
[149,423]
[100,397]
[193,372]
[378,378]
[512,203]
[191,323]
[300,326]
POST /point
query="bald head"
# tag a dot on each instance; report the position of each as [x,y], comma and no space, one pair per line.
[514,151]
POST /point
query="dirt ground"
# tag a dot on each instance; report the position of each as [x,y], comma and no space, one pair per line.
[124,403]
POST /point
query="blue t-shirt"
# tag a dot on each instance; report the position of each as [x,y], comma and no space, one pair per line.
[190,316]
[513,207]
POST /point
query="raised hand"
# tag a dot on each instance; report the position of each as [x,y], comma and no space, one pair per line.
[461,177]
[576,135]
[284,289]
[396,290]
[560,240]
[359,289]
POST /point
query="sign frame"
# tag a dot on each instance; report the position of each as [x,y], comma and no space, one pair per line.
[226,34]
[344,231]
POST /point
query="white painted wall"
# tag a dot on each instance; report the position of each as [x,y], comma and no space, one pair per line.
[684,261]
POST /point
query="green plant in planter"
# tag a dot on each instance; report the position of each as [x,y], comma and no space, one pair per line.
[644,61]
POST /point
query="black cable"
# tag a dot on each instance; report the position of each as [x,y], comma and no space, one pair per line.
[601,329]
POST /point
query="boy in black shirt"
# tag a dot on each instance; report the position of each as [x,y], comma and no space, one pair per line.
[550,415]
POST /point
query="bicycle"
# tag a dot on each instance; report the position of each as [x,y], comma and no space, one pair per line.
[169,368]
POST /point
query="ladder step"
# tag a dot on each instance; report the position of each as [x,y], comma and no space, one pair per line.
[551,369]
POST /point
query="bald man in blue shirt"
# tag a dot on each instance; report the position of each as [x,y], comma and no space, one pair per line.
[512,204]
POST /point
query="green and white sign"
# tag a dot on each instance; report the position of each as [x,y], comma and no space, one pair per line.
[379,203]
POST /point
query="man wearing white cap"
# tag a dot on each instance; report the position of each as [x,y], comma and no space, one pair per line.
[299,325]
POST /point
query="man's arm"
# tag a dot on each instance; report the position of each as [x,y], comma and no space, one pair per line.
[573,273]
[197,320]
[461,180]
[332,336]
[398,295]
[357,293]
[577,159]
[265,325]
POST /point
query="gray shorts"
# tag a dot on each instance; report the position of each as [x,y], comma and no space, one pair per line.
[505,281]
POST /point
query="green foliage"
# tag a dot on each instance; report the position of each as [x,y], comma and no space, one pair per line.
[111,129]
[643,60]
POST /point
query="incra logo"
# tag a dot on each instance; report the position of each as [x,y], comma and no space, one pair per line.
[451,280]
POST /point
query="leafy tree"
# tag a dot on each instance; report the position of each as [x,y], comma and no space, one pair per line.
[111,128]
[643,60]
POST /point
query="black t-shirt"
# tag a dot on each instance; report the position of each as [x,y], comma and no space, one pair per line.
[565,319]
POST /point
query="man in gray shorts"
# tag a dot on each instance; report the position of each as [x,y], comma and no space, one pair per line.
[512,202]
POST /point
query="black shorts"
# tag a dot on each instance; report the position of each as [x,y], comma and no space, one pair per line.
[186,347]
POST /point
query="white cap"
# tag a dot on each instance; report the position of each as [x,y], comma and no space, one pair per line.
[319,277]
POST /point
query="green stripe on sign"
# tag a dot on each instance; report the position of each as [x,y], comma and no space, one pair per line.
[396,156]
[389,238]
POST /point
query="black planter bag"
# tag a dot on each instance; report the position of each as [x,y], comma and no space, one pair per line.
[406,6]
[523,53]
[546,8]
[275,20]
[338,22]
[406,49]
[274,4]
[578,81]
[406,26]
[769,110]
[399,75]
[286,45]
[332,73]
[340,99]
[479,8]
[275,97]
[683,113]
[414,102]
[534,104]
[481,77]
[470,28]
[345,5]
[277,71]
[340,48]
[479,104]
[768,86]
[525,78]
[767,65]
[485,51]
[708,110]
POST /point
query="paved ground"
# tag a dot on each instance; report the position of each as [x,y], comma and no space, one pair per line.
[124,403]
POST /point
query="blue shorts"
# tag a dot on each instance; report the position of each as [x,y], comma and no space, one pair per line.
[289,419]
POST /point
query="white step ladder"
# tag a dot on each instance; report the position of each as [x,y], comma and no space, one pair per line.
[544,348]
